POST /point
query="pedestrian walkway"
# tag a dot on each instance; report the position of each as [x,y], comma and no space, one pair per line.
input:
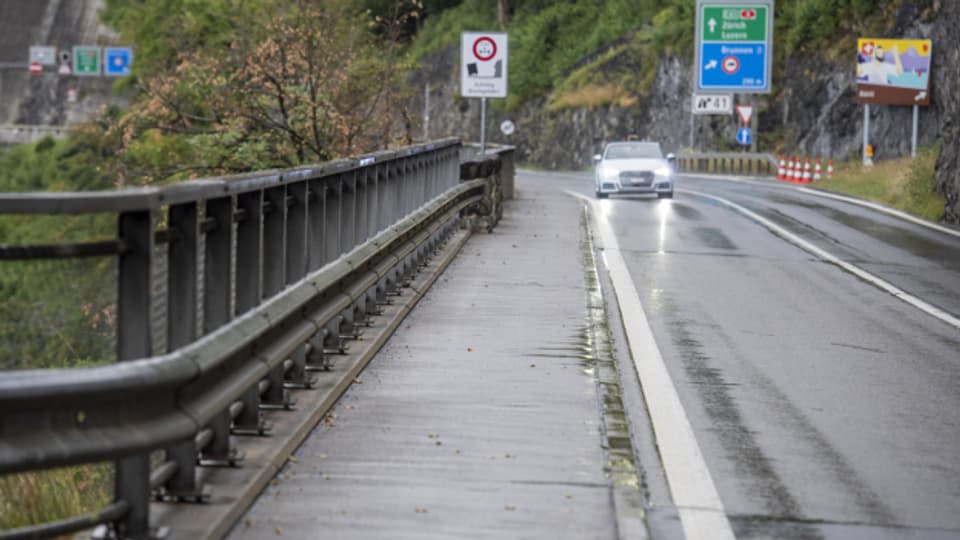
[478,419]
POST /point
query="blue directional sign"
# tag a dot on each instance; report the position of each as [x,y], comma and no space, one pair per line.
[733,51]
[117,61]
[743,136]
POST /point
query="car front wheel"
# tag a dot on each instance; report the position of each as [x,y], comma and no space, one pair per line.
[601,195]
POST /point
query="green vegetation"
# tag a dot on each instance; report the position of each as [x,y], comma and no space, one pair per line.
[904,183]
[554,44]
[42,497]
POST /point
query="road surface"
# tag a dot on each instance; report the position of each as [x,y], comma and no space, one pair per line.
[825,407]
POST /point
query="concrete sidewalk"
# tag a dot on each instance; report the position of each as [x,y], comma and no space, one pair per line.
[478,419]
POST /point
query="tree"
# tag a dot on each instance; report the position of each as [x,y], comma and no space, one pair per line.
[307,84]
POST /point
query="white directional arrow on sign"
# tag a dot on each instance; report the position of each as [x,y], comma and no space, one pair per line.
[711,65]
[712,23]
[920,96]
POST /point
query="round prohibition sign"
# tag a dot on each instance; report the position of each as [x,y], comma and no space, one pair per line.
[730,65]
[484,48]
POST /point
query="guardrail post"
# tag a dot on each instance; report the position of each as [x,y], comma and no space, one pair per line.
[249,254]
[248,264]
[274,276]
[360,232]
[348,211]
[216,311]
[132,479]
[317,202]
[297,252]
[331,218]
[181,330]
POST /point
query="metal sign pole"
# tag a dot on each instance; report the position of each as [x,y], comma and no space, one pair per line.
[426,112]
[483,125]
[866,133]
[916,122]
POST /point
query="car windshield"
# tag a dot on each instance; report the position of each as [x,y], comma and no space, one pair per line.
[633,151]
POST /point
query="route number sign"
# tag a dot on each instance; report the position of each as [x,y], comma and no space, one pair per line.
[712,104]
[733,45]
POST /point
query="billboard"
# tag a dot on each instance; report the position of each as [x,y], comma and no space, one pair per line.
[893,71]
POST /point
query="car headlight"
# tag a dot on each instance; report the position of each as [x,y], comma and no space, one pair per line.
[663,171]
[609,172]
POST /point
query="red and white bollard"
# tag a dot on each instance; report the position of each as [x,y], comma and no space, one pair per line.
[817,171]
[830,168]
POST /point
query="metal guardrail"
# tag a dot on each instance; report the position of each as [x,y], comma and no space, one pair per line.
[728,163]
[288,262]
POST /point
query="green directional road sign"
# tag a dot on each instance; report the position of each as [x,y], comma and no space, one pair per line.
[734,40]
[86,61]
[734,23]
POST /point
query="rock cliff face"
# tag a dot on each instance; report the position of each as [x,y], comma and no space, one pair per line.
[813,112]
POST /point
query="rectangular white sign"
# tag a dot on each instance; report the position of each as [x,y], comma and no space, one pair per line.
[712,104]
[45,55]
[483,64]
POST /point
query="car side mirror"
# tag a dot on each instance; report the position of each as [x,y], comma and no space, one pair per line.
[597,158]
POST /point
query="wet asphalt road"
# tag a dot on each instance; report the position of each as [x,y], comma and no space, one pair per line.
[824,406]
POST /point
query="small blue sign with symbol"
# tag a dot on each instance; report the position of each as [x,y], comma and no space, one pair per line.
[743,136]
[117,61]
[733,66]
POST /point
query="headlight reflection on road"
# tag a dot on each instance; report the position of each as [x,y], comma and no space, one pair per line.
[664,210]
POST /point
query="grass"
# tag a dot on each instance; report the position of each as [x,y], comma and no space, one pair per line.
[904,183]
[43,496]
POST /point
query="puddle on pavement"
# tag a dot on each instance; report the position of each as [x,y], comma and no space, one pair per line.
[714,238]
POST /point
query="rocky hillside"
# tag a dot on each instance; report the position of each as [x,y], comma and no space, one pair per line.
[812,111]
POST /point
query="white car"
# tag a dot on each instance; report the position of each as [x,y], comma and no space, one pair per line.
[633,167]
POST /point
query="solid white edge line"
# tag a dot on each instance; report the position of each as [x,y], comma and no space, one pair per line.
[832,259]
[698,503]
[835,196]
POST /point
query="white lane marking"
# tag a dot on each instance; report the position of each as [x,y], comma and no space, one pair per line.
[837,197]
[694,493]
[830,258]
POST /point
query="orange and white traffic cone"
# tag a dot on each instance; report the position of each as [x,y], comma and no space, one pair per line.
[830,168]
[806,172]
[816,171]
[791,167]
[782,170]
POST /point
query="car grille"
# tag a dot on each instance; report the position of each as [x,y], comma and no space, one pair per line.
[643,178]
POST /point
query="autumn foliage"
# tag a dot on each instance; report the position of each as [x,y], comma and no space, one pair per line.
[289,84]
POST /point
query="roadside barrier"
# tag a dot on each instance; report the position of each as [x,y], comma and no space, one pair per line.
[746,164]
[817,171]
[294,264]
[782,169]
